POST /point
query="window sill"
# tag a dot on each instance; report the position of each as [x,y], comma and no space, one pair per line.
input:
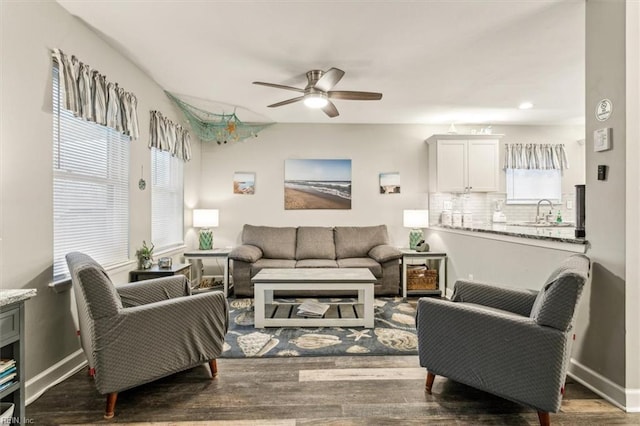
[63,285]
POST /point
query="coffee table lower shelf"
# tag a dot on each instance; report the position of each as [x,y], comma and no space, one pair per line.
[338,315]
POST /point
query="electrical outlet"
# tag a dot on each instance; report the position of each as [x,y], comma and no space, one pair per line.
[569,204]
[448,205]
[470,276]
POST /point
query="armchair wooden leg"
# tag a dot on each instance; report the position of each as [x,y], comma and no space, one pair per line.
[544,418]
[213,366]
[111,405]
[429,384]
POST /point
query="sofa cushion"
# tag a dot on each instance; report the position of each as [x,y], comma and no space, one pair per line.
[362,262]
[316,263]
[270,264]
[356,241]
[315,242]
[275,243]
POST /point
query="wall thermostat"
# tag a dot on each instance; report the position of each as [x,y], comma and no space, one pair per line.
[602,139]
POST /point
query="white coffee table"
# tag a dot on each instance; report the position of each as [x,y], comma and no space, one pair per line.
[283,314]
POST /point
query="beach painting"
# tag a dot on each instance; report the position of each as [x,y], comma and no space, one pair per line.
[390,183]
[317,184]
[244,183]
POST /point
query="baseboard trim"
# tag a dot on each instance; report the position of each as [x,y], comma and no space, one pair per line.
[53,375]
[612,392]
[633,400]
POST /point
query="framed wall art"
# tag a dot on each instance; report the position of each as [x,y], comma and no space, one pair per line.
[244,183]
[317,184]
[390,183]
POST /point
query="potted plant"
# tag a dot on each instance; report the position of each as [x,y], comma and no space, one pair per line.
[145,256]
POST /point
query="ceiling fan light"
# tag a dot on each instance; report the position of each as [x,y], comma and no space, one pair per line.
[315,100]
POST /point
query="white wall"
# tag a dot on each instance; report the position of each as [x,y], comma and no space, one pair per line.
[372,149]
[633,204]
[29,31]
[601,328]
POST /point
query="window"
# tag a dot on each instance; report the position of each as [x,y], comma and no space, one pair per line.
[167,176]
[90,189]
[528,186]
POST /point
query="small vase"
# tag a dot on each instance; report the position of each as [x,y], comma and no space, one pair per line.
[145,263]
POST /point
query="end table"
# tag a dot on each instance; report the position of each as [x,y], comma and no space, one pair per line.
[412,257]
[157,272]
[199,255]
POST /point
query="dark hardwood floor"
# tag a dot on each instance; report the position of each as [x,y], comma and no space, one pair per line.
[350,390]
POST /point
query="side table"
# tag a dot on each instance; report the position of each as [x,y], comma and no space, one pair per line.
[218,253]
[412,257]
[157,272]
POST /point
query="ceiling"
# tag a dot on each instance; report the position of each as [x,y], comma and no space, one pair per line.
[436,62]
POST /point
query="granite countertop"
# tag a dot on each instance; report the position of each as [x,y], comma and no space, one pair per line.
[565,234]
[10,296]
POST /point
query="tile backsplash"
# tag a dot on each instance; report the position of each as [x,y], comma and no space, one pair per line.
[482,206]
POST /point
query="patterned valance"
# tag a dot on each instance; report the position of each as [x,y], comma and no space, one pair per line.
[535,156]
[88,95]
[166,135]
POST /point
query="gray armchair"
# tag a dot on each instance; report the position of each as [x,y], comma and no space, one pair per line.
[139,332]
[513,343]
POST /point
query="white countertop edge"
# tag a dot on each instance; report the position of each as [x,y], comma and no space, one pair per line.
[15,295]
[555,245]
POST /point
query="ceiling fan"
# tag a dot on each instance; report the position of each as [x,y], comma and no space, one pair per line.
[317,93]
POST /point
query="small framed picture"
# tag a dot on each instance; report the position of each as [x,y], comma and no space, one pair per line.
[390,183]
[244,183]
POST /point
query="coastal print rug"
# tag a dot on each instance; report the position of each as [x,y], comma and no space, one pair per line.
[394,333]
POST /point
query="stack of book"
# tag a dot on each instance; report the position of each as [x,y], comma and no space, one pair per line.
[7,373]
[312,309]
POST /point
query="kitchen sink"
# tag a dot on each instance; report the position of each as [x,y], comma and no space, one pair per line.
[543,224]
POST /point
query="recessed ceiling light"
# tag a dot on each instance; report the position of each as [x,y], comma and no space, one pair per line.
[525,105]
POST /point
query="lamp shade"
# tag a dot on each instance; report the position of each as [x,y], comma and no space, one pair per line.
[205,218]
[416,219]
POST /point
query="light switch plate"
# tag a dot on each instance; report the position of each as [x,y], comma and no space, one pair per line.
[602,139]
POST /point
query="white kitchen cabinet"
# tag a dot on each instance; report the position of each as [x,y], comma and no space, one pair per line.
[464,163]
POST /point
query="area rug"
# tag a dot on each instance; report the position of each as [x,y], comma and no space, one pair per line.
[394,333]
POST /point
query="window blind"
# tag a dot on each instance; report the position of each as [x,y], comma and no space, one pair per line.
[90,189]
[528,186]
[167,182]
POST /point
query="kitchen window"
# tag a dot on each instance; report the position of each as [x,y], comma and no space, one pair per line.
[528,186]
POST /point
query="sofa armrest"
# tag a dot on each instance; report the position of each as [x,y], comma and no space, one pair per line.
[519,301]
[384,253]
[246,253]
[153,290]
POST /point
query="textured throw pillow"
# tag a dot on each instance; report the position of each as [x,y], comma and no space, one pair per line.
[356,241]
[315,243]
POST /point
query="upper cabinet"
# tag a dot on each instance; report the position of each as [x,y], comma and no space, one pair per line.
[464,163]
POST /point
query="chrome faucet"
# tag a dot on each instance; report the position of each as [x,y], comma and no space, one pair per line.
[544,218]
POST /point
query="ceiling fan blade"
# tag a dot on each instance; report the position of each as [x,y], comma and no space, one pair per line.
[287,102]
[354,96]
[329,79]
[331,110]
[279,86]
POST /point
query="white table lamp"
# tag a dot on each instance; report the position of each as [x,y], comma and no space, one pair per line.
[205,219]
[416,220]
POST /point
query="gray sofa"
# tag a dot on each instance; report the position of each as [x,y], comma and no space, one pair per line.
[316,247]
